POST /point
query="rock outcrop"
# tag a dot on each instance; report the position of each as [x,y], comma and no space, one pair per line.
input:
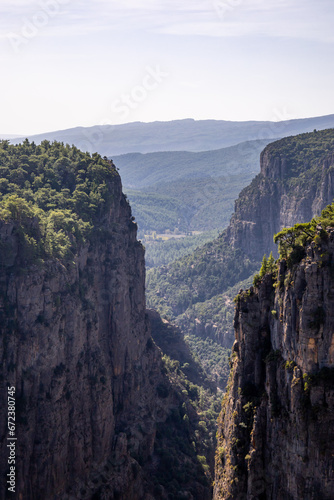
[276,430]
[76,344]
[296,182]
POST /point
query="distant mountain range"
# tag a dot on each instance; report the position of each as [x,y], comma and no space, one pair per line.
[187,190]
[183,174]
[177,135]
[142,171]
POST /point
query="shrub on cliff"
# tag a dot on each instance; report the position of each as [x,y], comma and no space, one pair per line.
[292,241]
[267,266]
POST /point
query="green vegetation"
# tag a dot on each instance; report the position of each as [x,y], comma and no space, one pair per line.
[197,293]
[198,204]
[160,253]
[194,418]
[208,329]
[198,402]
[55,194]
[209,271]
[180,192]
[208,201]
[303,155]
[292,241]
[157,212]
[140,171]
[267,266]
[289,365]
[192,290]
[204,400]
[213,357]
[187,191]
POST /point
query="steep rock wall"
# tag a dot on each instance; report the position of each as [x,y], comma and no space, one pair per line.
[278,197]
[75,342]
[276,429]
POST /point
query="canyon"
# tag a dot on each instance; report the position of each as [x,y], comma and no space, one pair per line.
[110,401]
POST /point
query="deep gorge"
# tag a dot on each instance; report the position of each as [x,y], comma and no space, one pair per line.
[111,401]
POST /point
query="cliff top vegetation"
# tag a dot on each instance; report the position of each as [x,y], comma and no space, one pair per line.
[54,193]
[303,153]
[292,241]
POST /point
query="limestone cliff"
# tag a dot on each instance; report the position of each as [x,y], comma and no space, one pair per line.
[276,430]
[75,342]
[295,183]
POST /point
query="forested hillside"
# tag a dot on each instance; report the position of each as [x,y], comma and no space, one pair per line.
[140,170]
[183,176]
[295,183]
[161,252]
[197,293]
[183,191]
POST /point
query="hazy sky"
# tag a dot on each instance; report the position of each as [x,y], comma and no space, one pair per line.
[85,62]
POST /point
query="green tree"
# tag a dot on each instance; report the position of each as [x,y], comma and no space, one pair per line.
[271,264]
[16,208]
[264,266]
[55,194]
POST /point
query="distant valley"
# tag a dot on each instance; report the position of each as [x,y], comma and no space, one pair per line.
[184,175]
[187,191]
[196,291]
[139,390]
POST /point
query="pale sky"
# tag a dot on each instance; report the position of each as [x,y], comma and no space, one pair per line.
[68,63]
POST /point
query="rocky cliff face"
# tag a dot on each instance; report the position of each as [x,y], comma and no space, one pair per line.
[296,182]
[276,430]
[75,343]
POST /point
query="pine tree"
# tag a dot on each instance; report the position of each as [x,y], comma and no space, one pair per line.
[271,264]
[264,266]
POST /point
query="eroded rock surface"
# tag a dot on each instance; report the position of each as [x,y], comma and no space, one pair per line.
[276,430]
[76,344]
[279,197]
